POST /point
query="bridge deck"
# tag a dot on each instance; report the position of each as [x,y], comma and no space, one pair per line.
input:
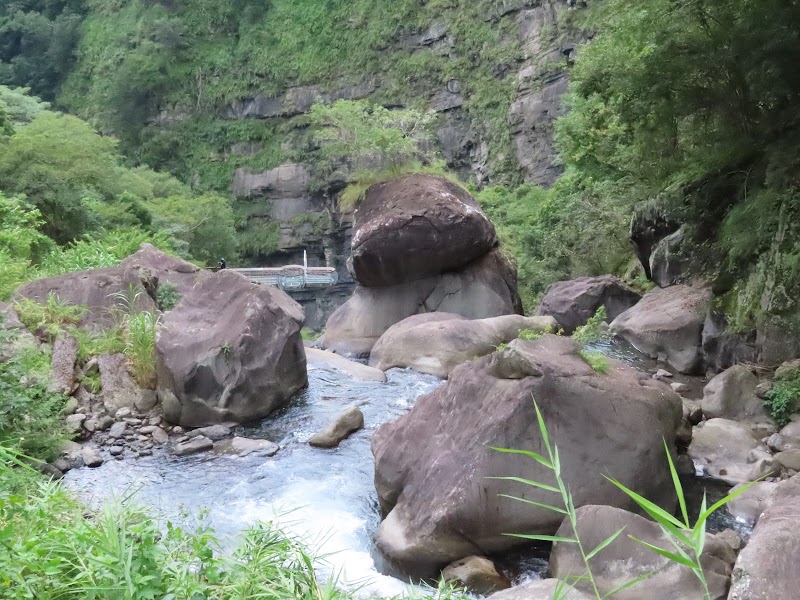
[292,277]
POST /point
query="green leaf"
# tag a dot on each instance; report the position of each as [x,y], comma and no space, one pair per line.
[542,426]
[603,544]
[537,457]
[628,584]
[530,482]
[534,503]
[676,558]
[678,487]
[542,538]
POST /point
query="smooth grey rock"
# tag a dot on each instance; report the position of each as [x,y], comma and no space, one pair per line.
[722,446]
[790,459]
[732,395]
[351,420]
[62,368]
[194,445]
[356,370]
[244,446]
[91,457]
[115,450]
[478,574]
[212,432]
[118,429]
[160,436]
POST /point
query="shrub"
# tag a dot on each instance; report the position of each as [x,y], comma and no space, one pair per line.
[594,328]
[50,316]
[167,296]
[783,398]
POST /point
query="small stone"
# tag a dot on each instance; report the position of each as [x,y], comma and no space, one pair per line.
[244,446]
[142,438]
[662,374]
[477,574]
[91,457]
[123,412]
[147,429]
[178,430]
[182,439]
[160,436]
[132,420]
[116,450]
[730,537]
[70,406]
[763,388]
[692,411]
[154,421]
[789,459]
[145,452]
[90,425]
[117,429]
[91,367]
[212,432]
[678,387]
[351,420]
[104,422]
[196,444]
[74,422]
[145,401]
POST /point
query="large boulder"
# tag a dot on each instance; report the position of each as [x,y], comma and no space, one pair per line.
[132,283]
[540,589]
[729,451]
[437,346]
[767,567]
[732,395]
[667,324]
[416,226]
[624,559]
[434,466]
[487,287]
[573,302]
[230,351]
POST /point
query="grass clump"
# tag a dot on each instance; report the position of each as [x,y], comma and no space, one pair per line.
[140,332]
[50,316]
[596,360]
[685,541]
[310,335]
[783,398]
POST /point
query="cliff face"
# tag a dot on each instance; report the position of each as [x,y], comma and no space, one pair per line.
[544,37]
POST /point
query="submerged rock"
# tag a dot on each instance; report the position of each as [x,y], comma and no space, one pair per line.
[356,370]
[244,446]
[230,351]
[194,445]
[435,343]
[438,454]
[350,421]
[478,574]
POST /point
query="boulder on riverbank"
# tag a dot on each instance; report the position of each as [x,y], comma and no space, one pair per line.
[105,292]
[732,395]
[420,244]
[416,226]
[487,287]
[350,421]
[624,559]
[574,302]
[667,324]
[230,351]
[438,454]
[767,567]
[435,343]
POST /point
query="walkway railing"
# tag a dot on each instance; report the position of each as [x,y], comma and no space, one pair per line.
[292,277]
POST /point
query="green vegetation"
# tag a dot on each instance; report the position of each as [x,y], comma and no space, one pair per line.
[310,335]
[530,334]
[594,329]
[167,296]
[596,360]
[686,540]
[783,398]
[30,416]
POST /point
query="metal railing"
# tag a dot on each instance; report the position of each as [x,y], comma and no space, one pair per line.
[292,277]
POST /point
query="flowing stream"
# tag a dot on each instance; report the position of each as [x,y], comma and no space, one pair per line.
[326,497]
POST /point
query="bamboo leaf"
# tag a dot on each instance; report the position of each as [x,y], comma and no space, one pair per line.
[603,544]
[529,482]
[542,538]
[628,584]
[652,509]
[710,510]
[539,504]
[537,457]
[676,558]
[542,426]
[678,487]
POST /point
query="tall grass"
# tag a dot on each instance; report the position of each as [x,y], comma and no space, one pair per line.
[140,332]
[686,540]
